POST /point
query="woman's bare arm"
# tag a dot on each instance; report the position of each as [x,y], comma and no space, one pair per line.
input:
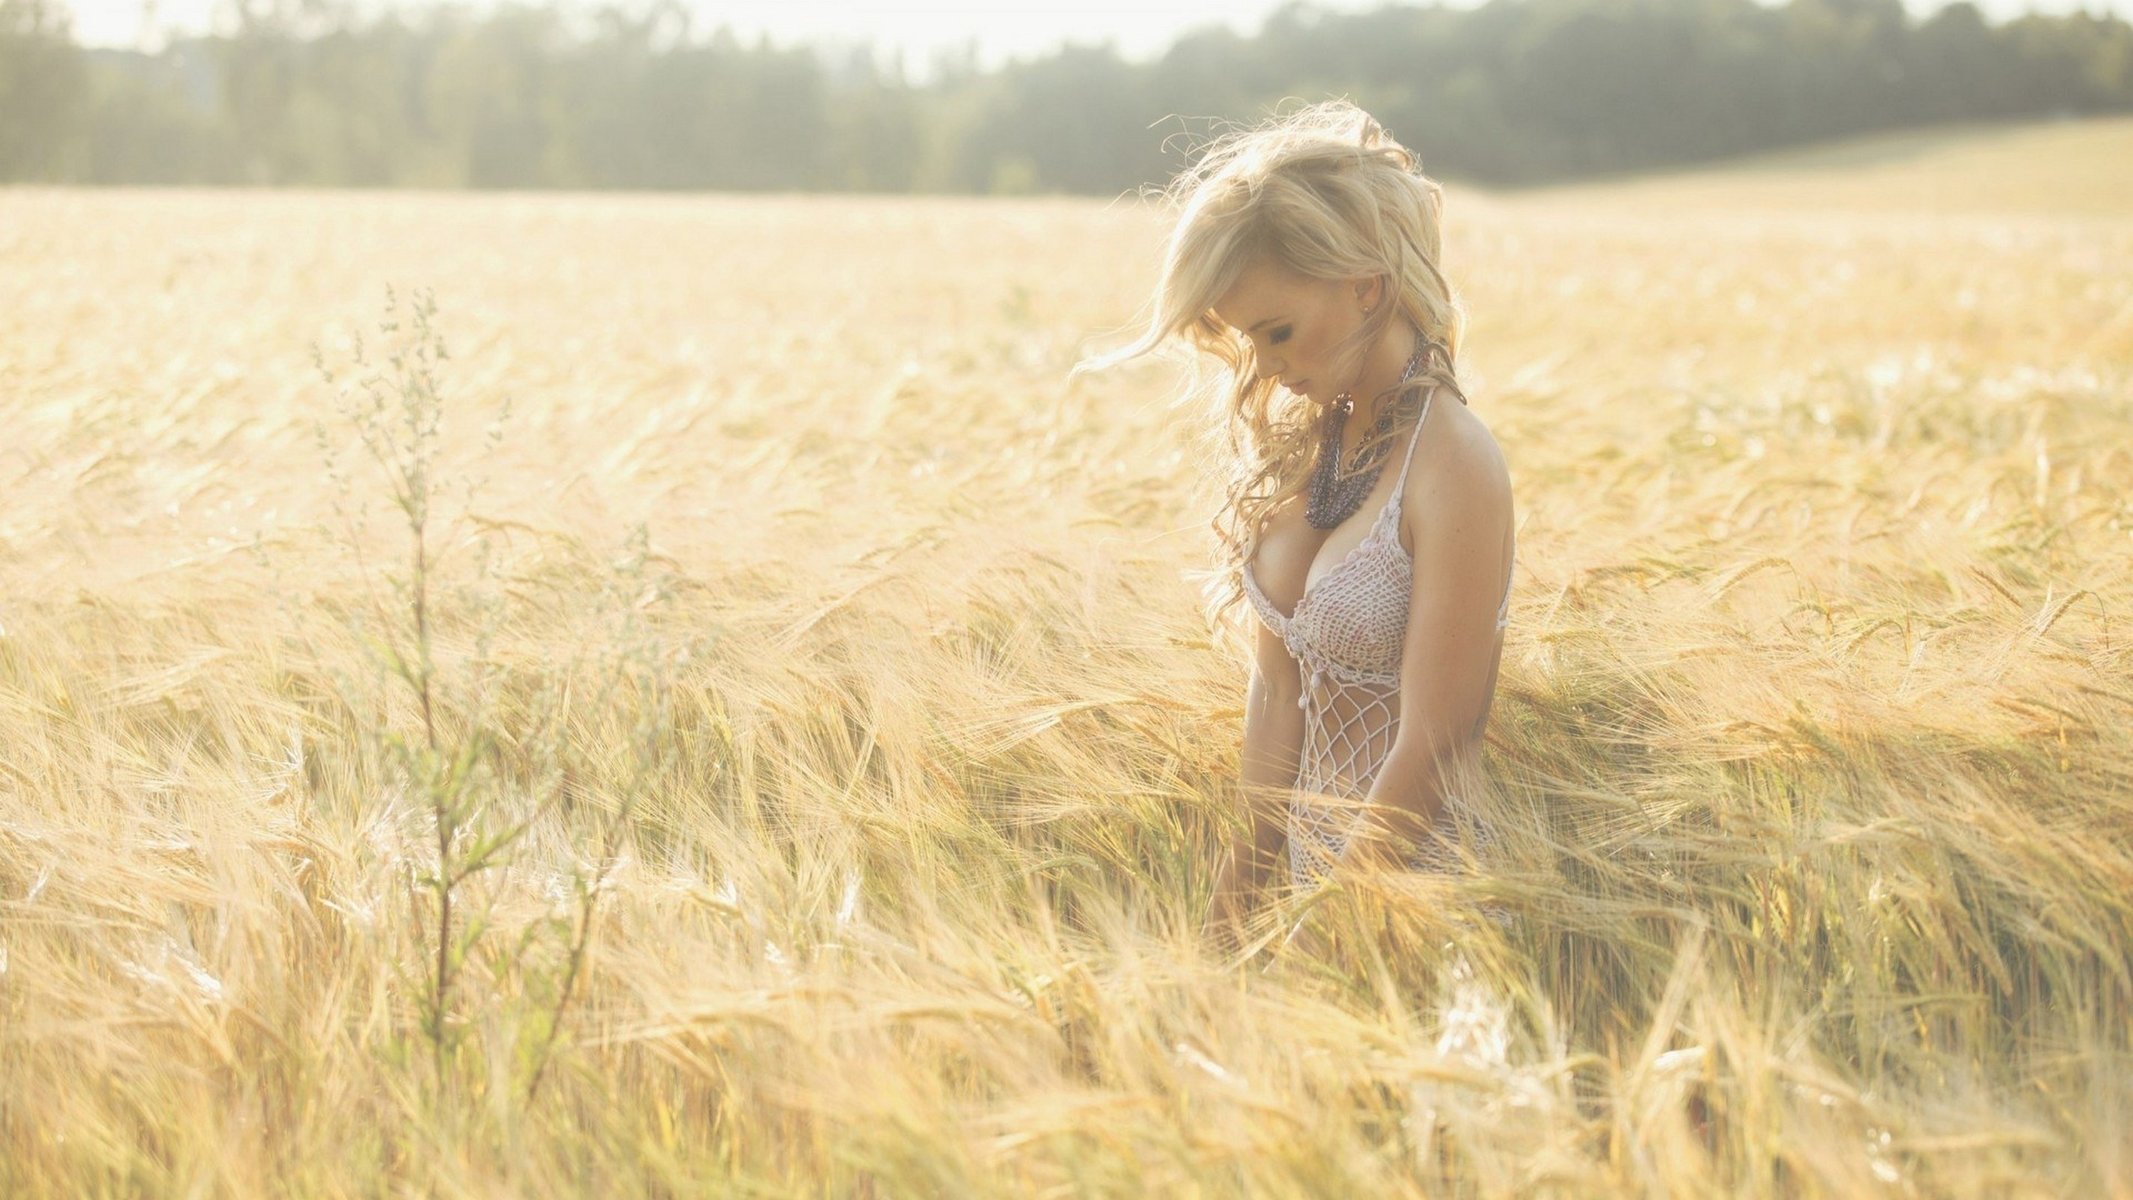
[1460,518]
[1273,745]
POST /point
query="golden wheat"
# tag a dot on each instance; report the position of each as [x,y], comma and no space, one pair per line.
[1811,747]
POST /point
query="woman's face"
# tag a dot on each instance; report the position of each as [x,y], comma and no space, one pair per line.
[1294,323]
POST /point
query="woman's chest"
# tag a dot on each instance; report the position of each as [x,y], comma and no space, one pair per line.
[1356,615]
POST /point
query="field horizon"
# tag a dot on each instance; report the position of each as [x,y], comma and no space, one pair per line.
[559,694]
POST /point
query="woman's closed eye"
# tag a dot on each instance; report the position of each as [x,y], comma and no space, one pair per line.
[1279,336]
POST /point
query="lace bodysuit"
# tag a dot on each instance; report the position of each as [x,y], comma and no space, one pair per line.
[1347,634]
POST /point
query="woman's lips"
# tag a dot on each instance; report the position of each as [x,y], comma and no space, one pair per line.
[1298,386]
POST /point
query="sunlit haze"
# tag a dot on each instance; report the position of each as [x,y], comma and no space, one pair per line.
[1138,30]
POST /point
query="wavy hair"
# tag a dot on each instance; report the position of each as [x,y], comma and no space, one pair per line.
[1325,193]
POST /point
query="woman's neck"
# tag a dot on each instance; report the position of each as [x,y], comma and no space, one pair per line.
[1381,370]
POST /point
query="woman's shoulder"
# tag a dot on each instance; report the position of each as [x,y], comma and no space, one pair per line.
[1458,477]
[1457,453]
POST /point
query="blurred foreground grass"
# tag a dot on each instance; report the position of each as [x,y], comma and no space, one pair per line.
[1811,747]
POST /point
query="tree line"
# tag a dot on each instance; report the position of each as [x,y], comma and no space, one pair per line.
[635,95]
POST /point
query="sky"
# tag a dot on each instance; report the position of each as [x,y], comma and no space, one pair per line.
[1139,29]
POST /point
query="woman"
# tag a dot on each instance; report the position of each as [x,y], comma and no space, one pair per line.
[1369,518]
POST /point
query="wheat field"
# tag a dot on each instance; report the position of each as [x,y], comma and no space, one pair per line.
[793,764]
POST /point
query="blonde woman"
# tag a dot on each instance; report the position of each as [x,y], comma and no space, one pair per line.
[1368,523]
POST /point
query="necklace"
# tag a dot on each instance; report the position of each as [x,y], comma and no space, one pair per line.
[1336,492]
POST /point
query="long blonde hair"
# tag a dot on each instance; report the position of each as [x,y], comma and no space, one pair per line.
[1325,193]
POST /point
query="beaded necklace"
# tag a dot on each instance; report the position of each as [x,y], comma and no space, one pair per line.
[1336,492]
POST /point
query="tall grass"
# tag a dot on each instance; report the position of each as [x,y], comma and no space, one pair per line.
[840,672]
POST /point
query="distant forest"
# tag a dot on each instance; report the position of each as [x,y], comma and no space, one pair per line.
[305,92]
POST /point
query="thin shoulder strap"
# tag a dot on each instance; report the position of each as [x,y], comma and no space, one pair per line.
[1413,439]
[1503,609]
[1510,571]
